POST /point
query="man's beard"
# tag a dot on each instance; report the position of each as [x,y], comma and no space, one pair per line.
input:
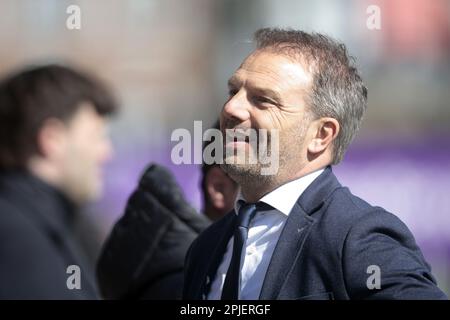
[241,169]
[290,144]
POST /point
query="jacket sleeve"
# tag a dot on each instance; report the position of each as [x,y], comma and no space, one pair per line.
[143,256]
[381,260]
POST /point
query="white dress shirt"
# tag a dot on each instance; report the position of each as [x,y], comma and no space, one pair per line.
[264,232]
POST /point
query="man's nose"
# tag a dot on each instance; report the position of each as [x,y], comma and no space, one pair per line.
[237,107]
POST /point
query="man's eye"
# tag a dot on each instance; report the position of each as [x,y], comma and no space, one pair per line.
[263,100]
[232,92]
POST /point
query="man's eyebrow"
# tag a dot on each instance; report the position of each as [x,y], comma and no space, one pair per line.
[235,82]
[267,92]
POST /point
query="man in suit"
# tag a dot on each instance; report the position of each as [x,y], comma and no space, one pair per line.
[299,234]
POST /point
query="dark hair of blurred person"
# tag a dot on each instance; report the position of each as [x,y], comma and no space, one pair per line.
[53,144]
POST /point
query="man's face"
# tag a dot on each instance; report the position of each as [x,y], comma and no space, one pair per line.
[86,148]
[267,92]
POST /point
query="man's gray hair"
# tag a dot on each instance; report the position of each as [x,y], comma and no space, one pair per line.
[337,89]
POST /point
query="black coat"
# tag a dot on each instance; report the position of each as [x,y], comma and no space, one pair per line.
[325,251]
[143,257]
[37,243]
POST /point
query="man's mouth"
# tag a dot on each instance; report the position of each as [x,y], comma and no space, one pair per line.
[237,135]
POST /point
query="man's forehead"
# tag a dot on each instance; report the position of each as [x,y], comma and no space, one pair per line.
[272,66]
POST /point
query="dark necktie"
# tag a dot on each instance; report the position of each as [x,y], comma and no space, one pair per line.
[231,287]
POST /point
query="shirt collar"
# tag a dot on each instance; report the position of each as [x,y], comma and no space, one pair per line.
[285,196]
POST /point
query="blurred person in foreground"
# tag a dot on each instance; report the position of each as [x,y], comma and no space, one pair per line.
[53,143]
[143,257]
[299,234]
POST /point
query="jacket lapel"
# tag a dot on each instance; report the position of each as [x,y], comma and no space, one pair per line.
[295,232]
[291,241]
[215,259]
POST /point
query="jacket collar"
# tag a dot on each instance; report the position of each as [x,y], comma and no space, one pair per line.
[318,191]
[295,232]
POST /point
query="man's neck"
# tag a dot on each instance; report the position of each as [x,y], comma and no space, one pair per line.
[44,171]
[254,191]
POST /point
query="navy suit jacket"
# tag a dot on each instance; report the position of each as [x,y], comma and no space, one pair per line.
[325,251]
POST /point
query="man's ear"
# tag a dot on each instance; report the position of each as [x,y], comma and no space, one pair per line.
[52,138]
[324,131]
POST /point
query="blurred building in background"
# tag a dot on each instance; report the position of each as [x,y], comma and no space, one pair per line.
[169,62]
